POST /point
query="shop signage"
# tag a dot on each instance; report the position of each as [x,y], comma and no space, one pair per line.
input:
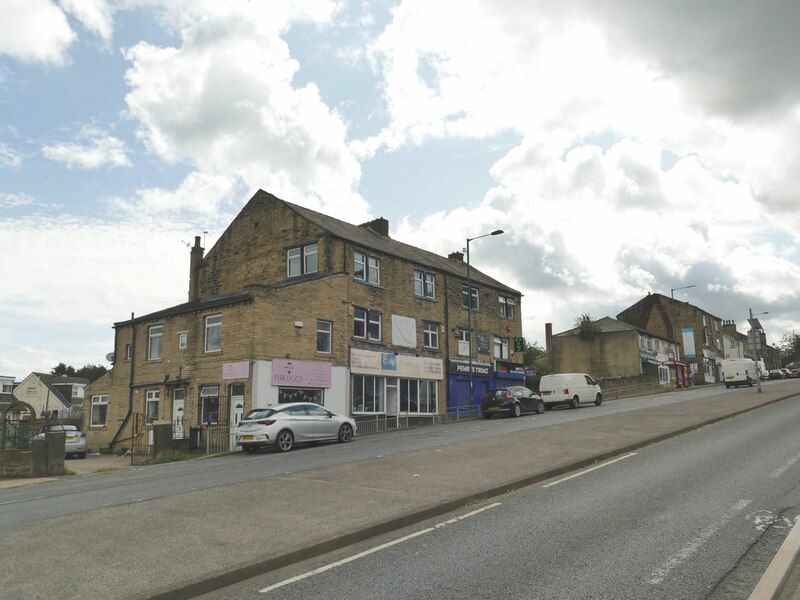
[459,368]
[502,366]
[301,373]
[236,370]
[369,362]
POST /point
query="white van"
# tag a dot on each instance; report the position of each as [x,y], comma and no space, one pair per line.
[570,389]
[738,371]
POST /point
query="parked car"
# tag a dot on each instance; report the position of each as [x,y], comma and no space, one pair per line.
[284,425]
[570,389]
[74,438]
[514,400]
[796,373]
[738,371]
[777,374]
[787,373]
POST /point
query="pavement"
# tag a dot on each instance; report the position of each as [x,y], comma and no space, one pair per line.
[193,543]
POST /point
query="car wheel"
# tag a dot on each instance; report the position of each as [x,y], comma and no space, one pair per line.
[82,455]
[250,449]
[540,408]
[516,410]
[345,433]
[547,407]
[487,415]
[284,441]
[598,400]
[575,402]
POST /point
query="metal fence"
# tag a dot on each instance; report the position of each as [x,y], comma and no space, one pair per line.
[369,424]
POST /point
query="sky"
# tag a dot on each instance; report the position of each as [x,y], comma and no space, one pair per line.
[623,147]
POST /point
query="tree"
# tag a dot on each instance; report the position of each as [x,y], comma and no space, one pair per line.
[90,372]
[537,356]
[789,347]
[587,328]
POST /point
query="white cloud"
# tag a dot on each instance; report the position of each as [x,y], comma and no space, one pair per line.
[95,15]
[198,193]
[9,158]
[98,151]
[9,200]
[35,31]
[224,102]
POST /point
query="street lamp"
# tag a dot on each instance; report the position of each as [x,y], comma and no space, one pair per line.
[755,325]
[469,310]
[672,322]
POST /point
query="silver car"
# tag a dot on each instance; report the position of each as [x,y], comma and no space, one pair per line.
[74,438]
[285,425]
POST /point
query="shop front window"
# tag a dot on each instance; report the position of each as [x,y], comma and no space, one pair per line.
[368,394]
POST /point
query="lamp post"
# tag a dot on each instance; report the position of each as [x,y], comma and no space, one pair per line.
[469,310]
[756,327]
[672,321]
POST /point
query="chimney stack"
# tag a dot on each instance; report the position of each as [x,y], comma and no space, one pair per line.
[548,336]
[379,226]
[195,260]
[456,256]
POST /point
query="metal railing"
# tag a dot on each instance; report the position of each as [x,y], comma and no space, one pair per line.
[369,424]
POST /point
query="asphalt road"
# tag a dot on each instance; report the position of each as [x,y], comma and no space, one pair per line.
[179,544]
[697,516]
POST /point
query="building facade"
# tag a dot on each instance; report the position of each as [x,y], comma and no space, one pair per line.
[291,304]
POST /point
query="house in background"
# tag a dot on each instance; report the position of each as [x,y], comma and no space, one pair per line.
[52,396]
[699,331]
[291,304]
[610,348]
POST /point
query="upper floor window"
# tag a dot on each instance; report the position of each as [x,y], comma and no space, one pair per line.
[154,339]
[424,284]
[463,342]
[367,324]
[324,330]
[182,337]
[466,298]
[507,307]
[301,260]
[128,351]
[501,348]
[430,334]
[366,268]
[213,333]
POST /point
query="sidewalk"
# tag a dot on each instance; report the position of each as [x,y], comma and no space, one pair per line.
[181,546]
[93,463]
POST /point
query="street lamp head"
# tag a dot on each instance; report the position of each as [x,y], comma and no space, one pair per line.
[497,232]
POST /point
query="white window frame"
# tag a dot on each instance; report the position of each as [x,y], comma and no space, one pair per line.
[370,323]
[430,335]
[302,260]
[182,338]
[128,351]
[501,348]
[155,339]
[424,284]
[152,399]
[210,392]
[324,334]
[366,268]
[213,336]
[506,307]
[100,402]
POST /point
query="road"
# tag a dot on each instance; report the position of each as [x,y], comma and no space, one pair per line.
[84,494]
[697,516]
[179,530]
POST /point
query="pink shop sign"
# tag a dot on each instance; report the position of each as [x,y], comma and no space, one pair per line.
[301,373]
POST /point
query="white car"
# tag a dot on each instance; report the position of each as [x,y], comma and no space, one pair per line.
[74,439]
[285,425]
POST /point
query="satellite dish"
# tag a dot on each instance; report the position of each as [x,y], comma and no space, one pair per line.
[110,357]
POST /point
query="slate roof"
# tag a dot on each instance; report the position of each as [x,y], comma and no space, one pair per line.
[609,325]
[368,238]
[224,299]
[55,383]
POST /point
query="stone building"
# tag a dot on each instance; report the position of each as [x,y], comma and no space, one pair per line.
[614,349]
[699,332]
[291,304]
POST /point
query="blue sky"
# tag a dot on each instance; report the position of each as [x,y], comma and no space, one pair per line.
[624,148]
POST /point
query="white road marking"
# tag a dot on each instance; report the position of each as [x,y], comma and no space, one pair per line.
[350,559]
[589,470]
[785,466]
[687,551]
[22,500]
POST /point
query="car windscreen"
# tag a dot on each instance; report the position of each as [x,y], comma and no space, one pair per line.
[259,413]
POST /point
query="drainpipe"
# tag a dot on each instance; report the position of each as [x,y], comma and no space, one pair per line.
[130,389]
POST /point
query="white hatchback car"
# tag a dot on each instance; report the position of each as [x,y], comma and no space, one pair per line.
[285,425]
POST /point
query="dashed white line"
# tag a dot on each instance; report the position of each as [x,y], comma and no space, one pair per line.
[687,551]
[350,559]
[589,470]
[785,466]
